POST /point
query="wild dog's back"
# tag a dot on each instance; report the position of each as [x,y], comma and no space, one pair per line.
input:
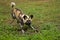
[15,11]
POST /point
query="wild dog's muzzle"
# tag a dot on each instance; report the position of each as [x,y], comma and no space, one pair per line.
[28,22]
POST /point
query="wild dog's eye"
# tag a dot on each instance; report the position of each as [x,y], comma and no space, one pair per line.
[24,17]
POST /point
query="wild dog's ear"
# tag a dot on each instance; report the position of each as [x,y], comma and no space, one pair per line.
[31,16]
[24,17]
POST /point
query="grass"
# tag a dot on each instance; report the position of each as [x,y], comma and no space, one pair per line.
[46,20]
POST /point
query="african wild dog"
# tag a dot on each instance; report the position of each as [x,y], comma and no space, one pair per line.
[21,18]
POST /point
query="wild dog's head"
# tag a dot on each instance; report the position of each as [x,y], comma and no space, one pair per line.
[27,19]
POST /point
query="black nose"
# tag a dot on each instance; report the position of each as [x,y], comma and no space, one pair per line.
[28,22]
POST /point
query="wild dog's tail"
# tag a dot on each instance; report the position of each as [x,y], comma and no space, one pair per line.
[13,4]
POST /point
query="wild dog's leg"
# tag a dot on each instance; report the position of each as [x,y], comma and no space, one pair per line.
[33,28]
[21,25]
[13,17]
[22,28]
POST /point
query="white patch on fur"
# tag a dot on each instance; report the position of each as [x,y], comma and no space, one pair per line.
[24,20]
[13,3]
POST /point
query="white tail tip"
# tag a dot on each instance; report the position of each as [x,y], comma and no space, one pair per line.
[13,3]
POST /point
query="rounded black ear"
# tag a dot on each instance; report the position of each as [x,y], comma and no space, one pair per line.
[24,16]
[31,16]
